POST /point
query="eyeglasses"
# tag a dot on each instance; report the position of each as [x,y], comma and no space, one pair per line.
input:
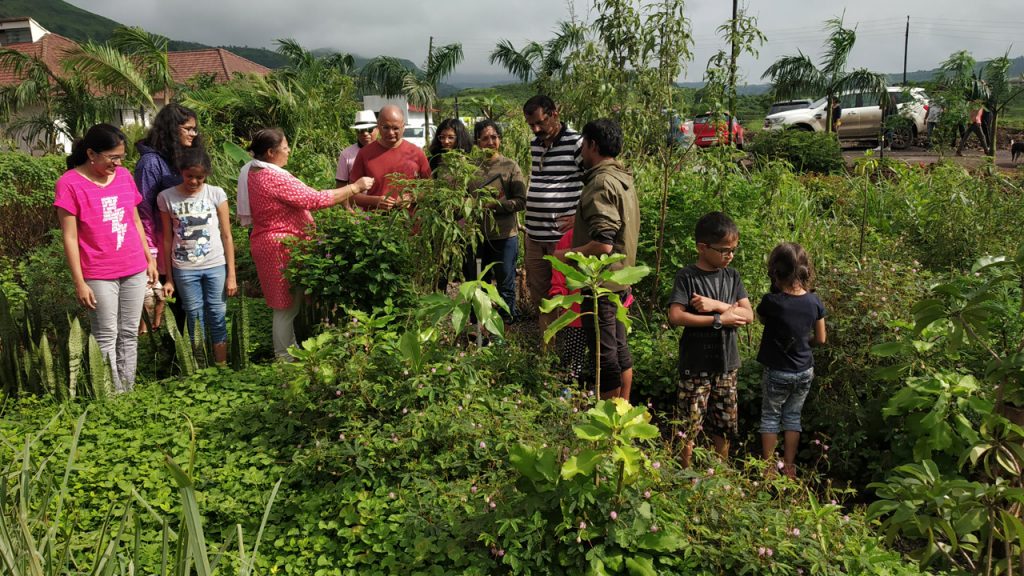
[364,130]
[115,158]
[724,251]
[190,130]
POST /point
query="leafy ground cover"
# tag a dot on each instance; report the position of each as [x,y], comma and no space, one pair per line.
[450,469]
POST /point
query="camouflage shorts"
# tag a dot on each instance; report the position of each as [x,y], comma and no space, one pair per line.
[709,400]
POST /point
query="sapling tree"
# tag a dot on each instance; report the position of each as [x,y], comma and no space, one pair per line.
[591,273]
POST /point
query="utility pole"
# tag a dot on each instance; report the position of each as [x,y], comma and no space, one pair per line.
[732,68]
[427,105]
[906,43]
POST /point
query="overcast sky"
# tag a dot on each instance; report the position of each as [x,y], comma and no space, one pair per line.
[937,27]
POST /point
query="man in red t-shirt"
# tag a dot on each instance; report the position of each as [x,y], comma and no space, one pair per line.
[388,155]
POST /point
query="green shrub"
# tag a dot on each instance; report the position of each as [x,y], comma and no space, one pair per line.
[357,260]
[806,151]
[26,200]
[390,468]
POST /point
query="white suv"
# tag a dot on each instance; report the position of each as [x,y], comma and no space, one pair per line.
[861,118]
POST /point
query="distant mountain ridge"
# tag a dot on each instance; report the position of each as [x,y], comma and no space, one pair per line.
[80,25]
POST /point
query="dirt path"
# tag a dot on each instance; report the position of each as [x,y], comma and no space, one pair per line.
[972,158]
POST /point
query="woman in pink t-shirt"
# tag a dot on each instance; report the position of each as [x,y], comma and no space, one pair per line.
[105,245]
[280,204]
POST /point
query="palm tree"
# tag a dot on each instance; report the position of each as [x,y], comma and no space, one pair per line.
[45,105]
[991,84]
[389,77]
[131,67]
[539,62]
[794,76]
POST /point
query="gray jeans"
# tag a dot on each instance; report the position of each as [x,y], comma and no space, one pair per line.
[115,324]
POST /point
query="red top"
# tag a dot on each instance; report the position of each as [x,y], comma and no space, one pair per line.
[280,206]
[378,162]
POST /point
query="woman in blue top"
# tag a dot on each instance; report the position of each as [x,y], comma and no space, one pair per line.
[791,313]
[174,129]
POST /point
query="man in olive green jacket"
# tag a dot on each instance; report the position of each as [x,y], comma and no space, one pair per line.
[607,222]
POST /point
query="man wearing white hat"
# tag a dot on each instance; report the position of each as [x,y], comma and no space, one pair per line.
[366,132]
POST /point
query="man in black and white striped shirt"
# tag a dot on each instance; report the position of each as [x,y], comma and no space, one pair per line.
[556,180]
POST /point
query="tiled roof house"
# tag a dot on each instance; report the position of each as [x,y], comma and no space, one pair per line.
[26,36]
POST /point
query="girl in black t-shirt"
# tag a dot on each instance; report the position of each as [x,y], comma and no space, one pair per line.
[791,313]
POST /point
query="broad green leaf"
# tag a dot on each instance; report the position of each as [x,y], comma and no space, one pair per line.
[630,457]
[640,431]
[627,276]
[640,566]
[582,463]
[592,432]
[567,317]
[561,301]
[236,152]
[889,348]
[569,271]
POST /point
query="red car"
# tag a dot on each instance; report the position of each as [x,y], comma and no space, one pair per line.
[706,134]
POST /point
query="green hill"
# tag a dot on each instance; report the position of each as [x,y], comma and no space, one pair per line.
[81,25]
[62,18]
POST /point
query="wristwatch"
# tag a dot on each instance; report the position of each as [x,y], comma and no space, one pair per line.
[717,323]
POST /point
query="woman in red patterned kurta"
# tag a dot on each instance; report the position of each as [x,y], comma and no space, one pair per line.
[280,204]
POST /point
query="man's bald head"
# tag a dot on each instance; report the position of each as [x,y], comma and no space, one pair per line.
[391,125]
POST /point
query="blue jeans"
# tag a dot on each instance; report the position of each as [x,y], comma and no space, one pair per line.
[783,396]
[203,298]
[504,254]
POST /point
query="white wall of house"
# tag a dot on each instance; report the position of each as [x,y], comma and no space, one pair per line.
[33,147]
[16,30]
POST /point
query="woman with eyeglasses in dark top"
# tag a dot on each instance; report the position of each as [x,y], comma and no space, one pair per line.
[175,128]
[451,134]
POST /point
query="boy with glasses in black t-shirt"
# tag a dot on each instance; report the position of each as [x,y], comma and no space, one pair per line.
[710,302]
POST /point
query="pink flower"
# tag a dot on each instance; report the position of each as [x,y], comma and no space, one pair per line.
[391,495]
[647,494]
[656,465]
[483,444]
[711,471]
[337,392]
[493,504]
[433,370]
[501,552]
[681,434]
[795,532]
[473,489]
[780,465]
[614,515]
[583,525]
[654,527]
[760,551]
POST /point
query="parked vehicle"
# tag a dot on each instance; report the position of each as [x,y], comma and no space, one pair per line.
[788,105]
[861,117]
[414,134]
[681,131]
[710,132]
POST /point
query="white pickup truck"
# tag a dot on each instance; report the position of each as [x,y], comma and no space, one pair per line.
[861,117]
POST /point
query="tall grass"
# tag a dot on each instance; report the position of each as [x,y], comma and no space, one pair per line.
[38,538]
